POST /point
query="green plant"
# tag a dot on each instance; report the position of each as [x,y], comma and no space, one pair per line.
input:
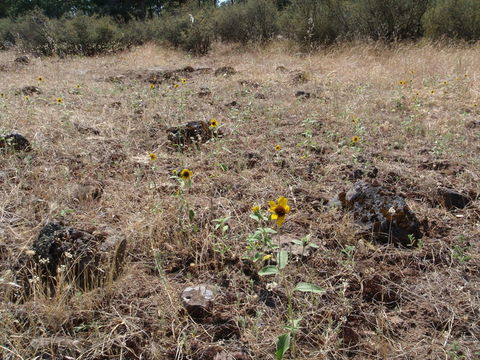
[461,249]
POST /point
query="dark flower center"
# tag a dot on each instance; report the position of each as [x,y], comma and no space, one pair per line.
[280,210]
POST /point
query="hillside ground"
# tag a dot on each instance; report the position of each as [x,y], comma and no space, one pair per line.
[414,110]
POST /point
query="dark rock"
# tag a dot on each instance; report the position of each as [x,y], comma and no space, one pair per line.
[198,300]
[232,104]
[204,92]
[473,124]
[260,96]
[300,77]
[249,83]
[22,60]
[252,159]
[29,90]
[86,130]
[86,259]
[382,215]
[15,142]
[225,71]
[451,199]
[115,105]
[192,132]
[116,79]
[187,69]
[303,94]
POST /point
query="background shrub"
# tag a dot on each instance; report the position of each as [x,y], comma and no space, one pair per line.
[87,35]
[387,20]
[6,35]
[314,22]
[458,19]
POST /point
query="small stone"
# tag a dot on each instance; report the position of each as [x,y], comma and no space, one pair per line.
[22,60]
[86,130]
[198,300]
[15,142]
[29,90]
[225,71]
[190,133]
[451,199]
[204,92]
[303,94]
[232,104]
[300,77]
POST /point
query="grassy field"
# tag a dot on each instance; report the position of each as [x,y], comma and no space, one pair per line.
[414,110]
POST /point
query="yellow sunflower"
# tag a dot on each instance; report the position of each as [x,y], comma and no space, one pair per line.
[355,139]
[186,174]
[176,86]
[59,100]
[279,210]
[184,81]
[40,79]
[213,123]
[152,86]
[402,82]
[256,209]
[152,156]
[278,147]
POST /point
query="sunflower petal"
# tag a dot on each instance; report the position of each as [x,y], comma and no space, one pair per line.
[280,220]
[282,201]
[274,216]
[287,209]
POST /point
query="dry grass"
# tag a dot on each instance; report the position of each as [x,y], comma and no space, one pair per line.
[381,302]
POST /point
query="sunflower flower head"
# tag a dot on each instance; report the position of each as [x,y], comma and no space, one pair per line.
[186,174]
[59,100]
[40,79]
[355,139]
[152,156]
[183,81]
[213,123]
[279,210]
[278,147]
[256,209]
[402,83]
[176,86]
[152,86]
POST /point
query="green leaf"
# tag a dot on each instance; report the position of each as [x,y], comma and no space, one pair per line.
[282,259]
[307,287]
[283,344]
[298,242]
[191,214]
[268,270]
[315,246]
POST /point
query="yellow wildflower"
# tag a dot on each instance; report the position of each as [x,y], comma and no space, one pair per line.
[355,139]
[402,82]
[266,257]
[279,210]
[213,123]
[152,156]
[152,86]
[40,79]
[255,209]
[278,147]
[59,100]
[184,81]
[186,174]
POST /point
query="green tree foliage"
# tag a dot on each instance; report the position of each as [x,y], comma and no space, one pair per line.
[458,19]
